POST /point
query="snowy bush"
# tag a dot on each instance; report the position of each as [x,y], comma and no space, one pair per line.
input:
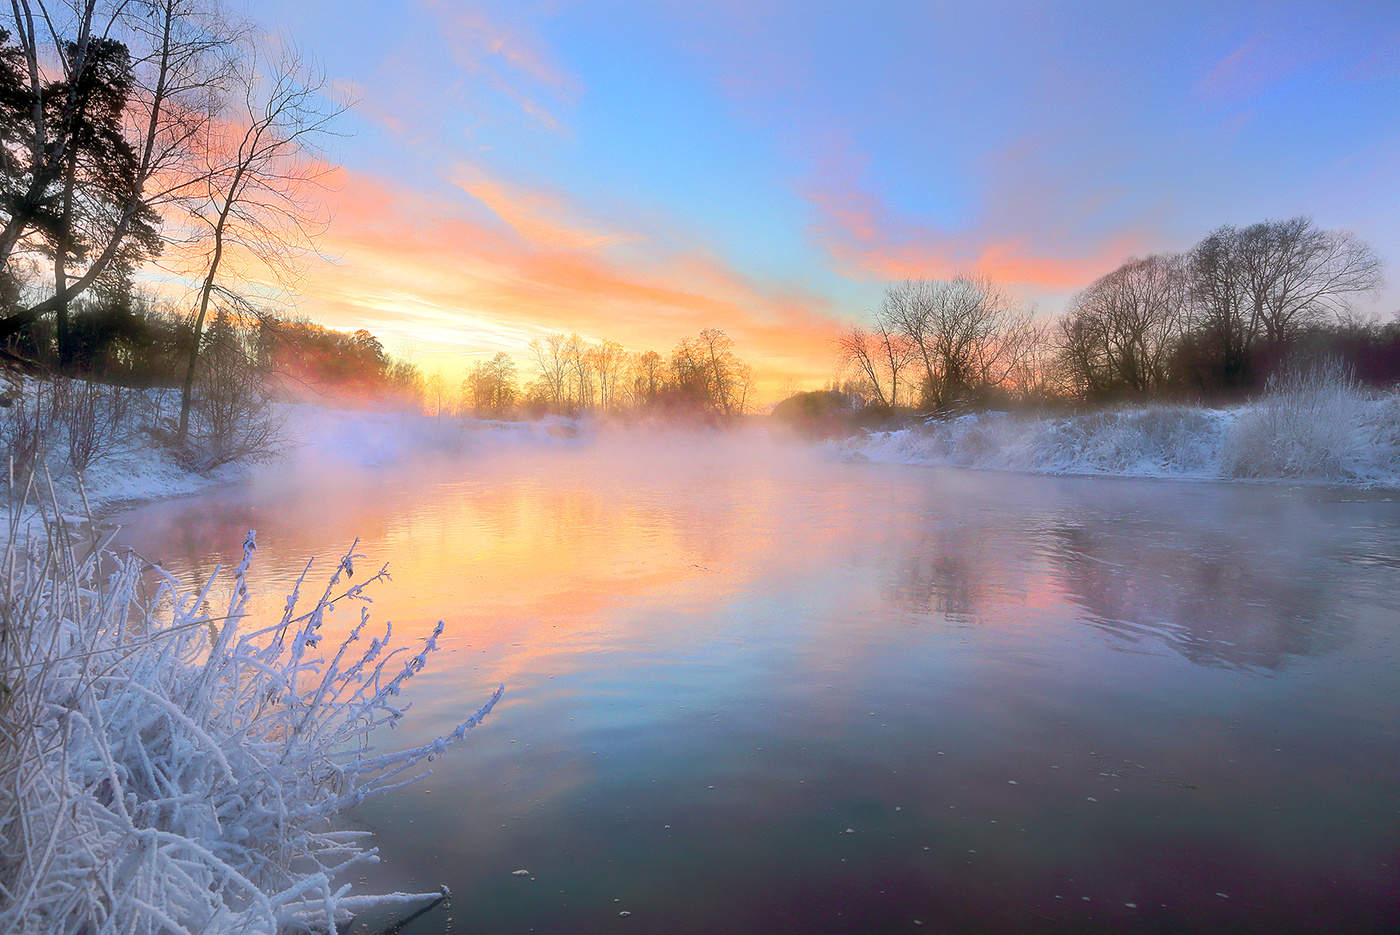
[165,770]
[1309,424]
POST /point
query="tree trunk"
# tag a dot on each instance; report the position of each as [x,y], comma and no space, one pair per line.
[62,248]
[187,388]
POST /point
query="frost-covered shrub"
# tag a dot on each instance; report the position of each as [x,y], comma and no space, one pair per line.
[65,423]
[83,413]
[1314,424]
[1309,424]
[164,769]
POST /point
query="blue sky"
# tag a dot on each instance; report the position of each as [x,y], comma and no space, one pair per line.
[640,170]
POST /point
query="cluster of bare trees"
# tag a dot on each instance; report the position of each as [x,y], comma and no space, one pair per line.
[702,375]
[937,344]
[1208,321]
[1121,332]
[491,389]
[1203,320]
[137,129]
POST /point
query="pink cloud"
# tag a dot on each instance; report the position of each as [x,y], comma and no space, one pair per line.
[870,240]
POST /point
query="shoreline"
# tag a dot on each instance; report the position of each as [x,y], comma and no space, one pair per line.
[1351,442]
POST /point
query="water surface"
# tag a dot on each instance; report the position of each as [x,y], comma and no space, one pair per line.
[753,690]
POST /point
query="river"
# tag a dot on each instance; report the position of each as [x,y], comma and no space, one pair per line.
[753,689]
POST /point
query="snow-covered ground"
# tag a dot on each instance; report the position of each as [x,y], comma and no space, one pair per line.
[1338,438]
[1322,431]
[132,464]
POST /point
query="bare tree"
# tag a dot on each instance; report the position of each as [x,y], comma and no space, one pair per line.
[727,379]
[1223,318]
[552,359]
[490,387]
[607,360]
[232,422]
[1298,275]
[1119,333]
[435,392]
[966,335]
[648,371]
[581,371]
[880,355]
[257,207]
[1269,282]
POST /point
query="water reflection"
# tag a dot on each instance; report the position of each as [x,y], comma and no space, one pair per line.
[1231,585]
[1029,699]
[1215,602]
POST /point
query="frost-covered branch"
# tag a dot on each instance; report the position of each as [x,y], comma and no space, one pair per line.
[164,770]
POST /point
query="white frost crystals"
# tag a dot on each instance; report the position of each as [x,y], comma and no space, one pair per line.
[168,769]
[1314,426]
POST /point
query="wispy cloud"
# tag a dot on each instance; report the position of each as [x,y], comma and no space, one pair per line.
[541,218]
[1255,65]
[868,239]
[512,60]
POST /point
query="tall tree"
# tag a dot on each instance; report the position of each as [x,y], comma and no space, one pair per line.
[1267,282]
[966,334]
[552,357]
[257,209]
[1119,333]
[880,354]
[1297,274]
[99,176]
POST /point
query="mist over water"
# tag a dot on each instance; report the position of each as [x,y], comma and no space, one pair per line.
[753,689]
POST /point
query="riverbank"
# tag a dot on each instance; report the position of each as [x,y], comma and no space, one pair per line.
[106,448]
[1321,436]
[1324,433]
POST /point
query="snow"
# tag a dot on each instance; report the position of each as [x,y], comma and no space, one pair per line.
[134,464]
[1348,439]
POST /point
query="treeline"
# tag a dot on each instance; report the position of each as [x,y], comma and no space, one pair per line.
[128,338]
[1212,323]
[701,378]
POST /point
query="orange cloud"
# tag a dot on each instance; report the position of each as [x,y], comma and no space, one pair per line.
[434,277]
[540,218]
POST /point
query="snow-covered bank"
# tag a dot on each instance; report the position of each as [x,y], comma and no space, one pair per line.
[1340,438]
[125,455]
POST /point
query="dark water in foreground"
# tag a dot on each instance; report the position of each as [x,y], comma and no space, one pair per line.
[752,691]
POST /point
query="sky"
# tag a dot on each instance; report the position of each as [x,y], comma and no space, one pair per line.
[637,171]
